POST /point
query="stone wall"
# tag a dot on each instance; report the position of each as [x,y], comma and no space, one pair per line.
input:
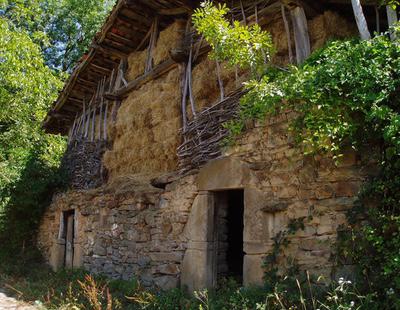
[123,234]
[166,237]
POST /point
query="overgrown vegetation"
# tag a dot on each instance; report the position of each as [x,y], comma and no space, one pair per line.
[68,290]
[40,40]
[346,94]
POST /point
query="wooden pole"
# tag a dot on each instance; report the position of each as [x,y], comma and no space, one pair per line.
[243,13]
[256,11]
[377,17]
[103,84]
[93,125]
[183,101]
[220,83]
[88,122]
[80,128]
[360,20]
[288,35]
[189,81]
[87,115]
[105,122]
[392,20]
[301,35]
[83,115]
[112,80]
[73,133]
[152,44]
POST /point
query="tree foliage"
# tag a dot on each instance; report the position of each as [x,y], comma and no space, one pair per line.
[63,28]
[27,87]
[346,94]
[248,47]
[40,40]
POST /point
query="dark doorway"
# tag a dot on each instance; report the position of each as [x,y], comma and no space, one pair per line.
[69,236]
[229,234]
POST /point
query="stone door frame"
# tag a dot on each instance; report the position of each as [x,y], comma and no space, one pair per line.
[199,266]
[58,255]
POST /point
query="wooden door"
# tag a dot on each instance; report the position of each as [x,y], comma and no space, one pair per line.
[69,241]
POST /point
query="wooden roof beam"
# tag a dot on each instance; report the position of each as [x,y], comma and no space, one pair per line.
[117,37]
[159,70]
[363,2]
[106,49]
[175,11]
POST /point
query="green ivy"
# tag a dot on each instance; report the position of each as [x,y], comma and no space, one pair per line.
[346,94]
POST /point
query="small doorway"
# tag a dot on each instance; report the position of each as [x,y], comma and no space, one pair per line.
[69,236]
[228,235]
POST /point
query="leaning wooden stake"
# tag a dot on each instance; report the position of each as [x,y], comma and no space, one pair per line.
[243,13]
[73,129]
[220,83]
[102,90]
[189,84]
[87,116]
[183,101]
[301,35]
[256,11]
[377,18]
[93,125]
[83,115]
[105,122]
[152,44]
[287,29]
[392,21]
[360,20]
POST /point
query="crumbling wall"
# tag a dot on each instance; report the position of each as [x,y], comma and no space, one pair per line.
[134,230]
[291,186]
[125,234]
[128,229]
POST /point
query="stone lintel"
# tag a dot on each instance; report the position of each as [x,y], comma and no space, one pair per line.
[223,174]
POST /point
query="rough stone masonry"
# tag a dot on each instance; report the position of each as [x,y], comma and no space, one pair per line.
[176,234]
[164,237]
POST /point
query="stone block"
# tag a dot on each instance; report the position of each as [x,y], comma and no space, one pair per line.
[200,224]
[346,189]
[168,269]
[222,174]
[252,270]
[166,282]
[252,248]
[166,257]
[197,270]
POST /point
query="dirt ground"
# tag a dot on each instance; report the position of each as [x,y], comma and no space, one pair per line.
[9,303]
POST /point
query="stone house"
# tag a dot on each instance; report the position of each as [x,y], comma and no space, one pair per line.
[153,192]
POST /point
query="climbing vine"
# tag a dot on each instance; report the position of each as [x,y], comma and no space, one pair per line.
[347,95]
[344,95]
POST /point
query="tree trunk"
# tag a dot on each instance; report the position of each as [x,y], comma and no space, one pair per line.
[360,19]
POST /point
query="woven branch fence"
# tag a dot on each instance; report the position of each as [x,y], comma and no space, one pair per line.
[205,134]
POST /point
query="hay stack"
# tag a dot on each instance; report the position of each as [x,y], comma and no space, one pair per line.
[146,131]
[169,38]
[205,82]
[329,26]
[136,64]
